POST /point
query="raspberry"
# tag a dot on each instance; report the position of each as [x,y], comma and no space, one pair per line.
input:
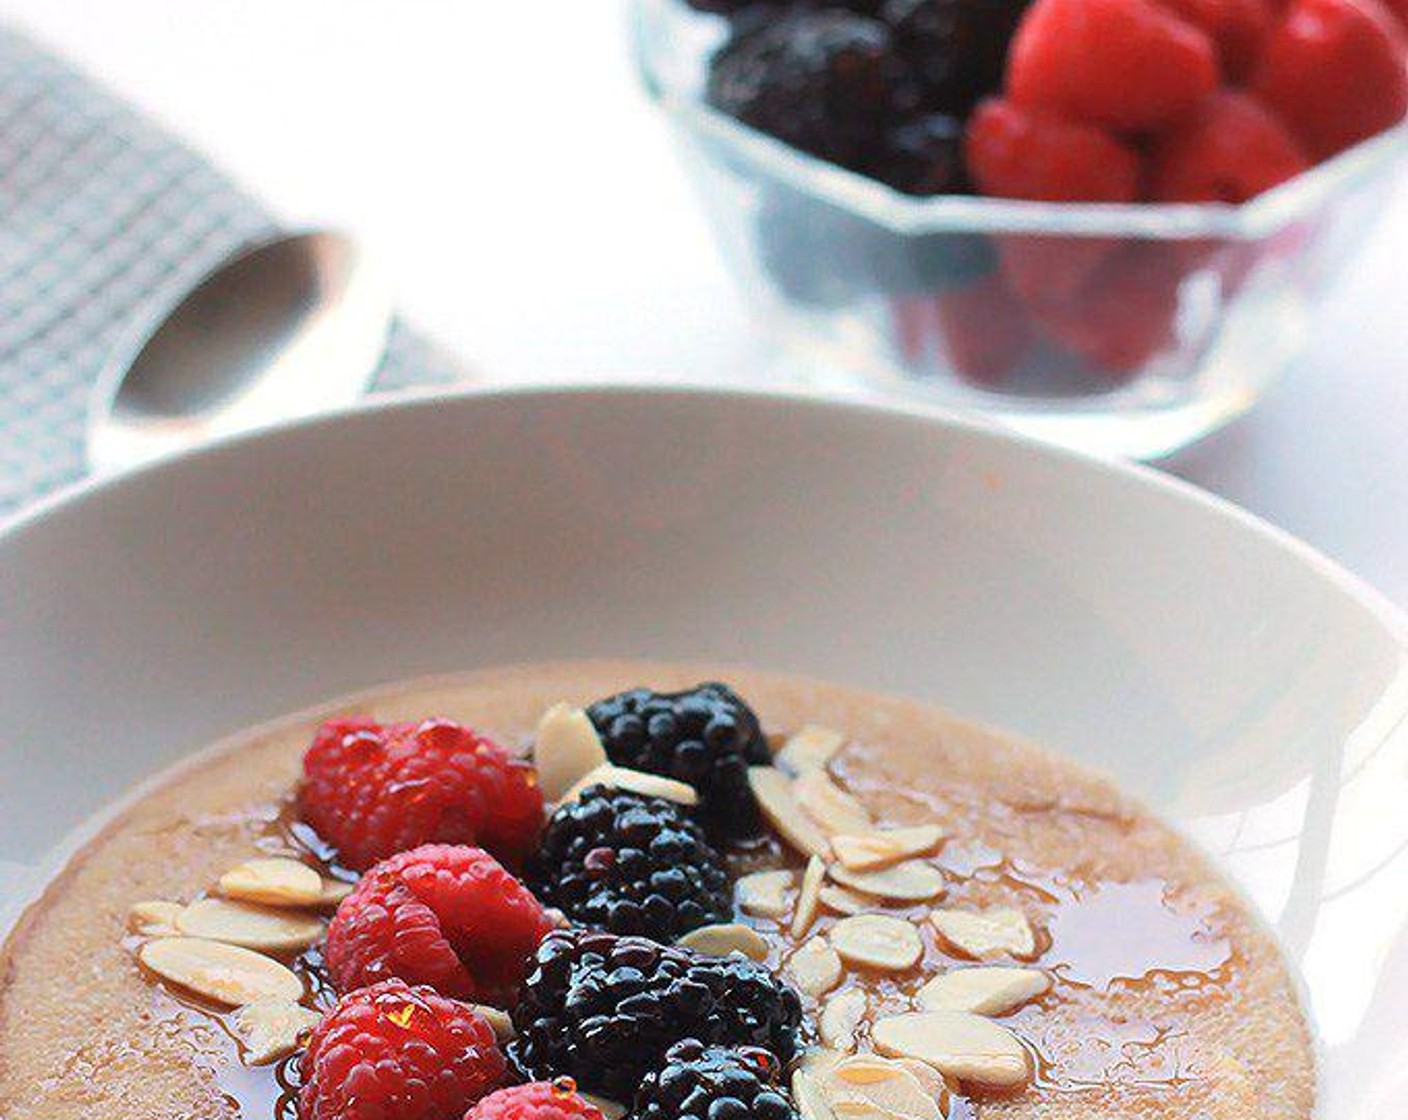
[1015,152]
[1231,150]
[1334,72]
[448,917]
[706,736]
[1127,65]
[699,1082]
[1236,28]
[605,1009]
[631,864]
[372,790]
[393,1050]
[985,329]
[538,1100]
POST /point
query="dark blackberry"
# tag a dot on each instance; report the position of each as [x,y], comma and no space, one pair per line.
[627,863]
[705,736]
[826,82]
[699,1082]
[923,156]
[956,49]
[605,1009]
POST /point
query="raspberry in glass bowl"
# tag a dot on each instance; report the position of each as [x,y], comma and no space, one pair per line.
[1105,222]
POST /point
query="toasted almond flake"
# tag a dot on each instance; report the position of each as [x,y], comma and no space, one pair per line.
[844,901]
[986,933]
[270,1029]
[860,1085]
[249,926]
[840,1016]
[637,781]
[815,967]
[807,1095]
[153,919]
[499,1021]
[983,991]
[334,891]
[811,748]
[729,937]
[779,804]
[609,1110]
[835,810]
[958,1044]
[224,973]
[933,1081]
[808,898]
[764,893]
[273,882]
[565,748]
[910,881]
[877,941]
[868,851]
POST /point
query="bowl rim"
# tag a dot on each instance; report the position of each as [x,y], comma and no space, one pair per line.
[912,215]
[72,498]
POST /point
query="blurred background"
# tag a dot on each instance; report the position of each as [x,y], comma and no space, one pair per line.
[504,163]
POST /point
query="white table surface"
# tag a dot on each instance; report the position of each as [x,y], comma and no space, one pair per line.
[501,159]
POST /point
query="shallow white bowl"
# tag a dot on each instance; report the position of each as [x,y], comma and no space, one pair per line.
[1243,685]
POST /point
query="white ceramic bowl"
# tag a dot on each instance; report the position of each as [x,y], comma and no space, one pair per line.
[1244,686]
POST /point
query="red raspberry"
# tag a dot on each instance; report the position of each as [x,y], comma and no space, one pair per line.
[985,330]
[396,1051]
[1128,65]
[1236,28]
[1334,71]
[1020,153]
[449,917]
[538,1100]
[1231,150]
[372,790]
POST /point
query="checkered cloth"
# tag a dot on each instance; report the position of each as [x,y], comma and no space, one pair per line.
[99,210]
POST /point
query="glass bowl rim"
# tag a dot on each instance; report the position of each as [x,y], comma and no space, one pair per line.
[912,215]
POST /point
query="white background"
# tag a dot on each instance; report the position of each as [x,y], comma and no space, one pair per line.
[500,158]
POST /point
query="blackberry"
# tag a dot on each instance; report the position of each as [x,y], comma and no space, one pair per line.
[605,1009]
[923,156]
[956,49]
[705,736]
[627,863]
[826,82]
[699,1082]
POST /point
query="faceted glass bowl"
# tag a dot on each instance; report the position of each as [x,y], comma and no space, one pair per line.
[1125,330]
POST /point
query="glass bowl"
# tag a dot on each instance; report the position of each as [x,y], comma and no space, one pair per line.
[1127,330]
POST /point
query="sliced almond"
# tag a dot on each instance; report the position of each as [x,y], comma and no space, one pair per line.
[877,941]
[910,881]
[270,1029]
[779,804]
[764,893]
[153,919]
[983,991]
[811,748]
[815,967]
[499,1021]
[935,1084]
[637,781]
[835,810]
[986,933]
[843,901]
[273,882]
[958,1044]
[808,898]
[867,1084]
[721,940]
[868,851]
[252,927]
[842,1013]
[334,891]
[565,748]
[807,1095]
[224,973]
[609,1110]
